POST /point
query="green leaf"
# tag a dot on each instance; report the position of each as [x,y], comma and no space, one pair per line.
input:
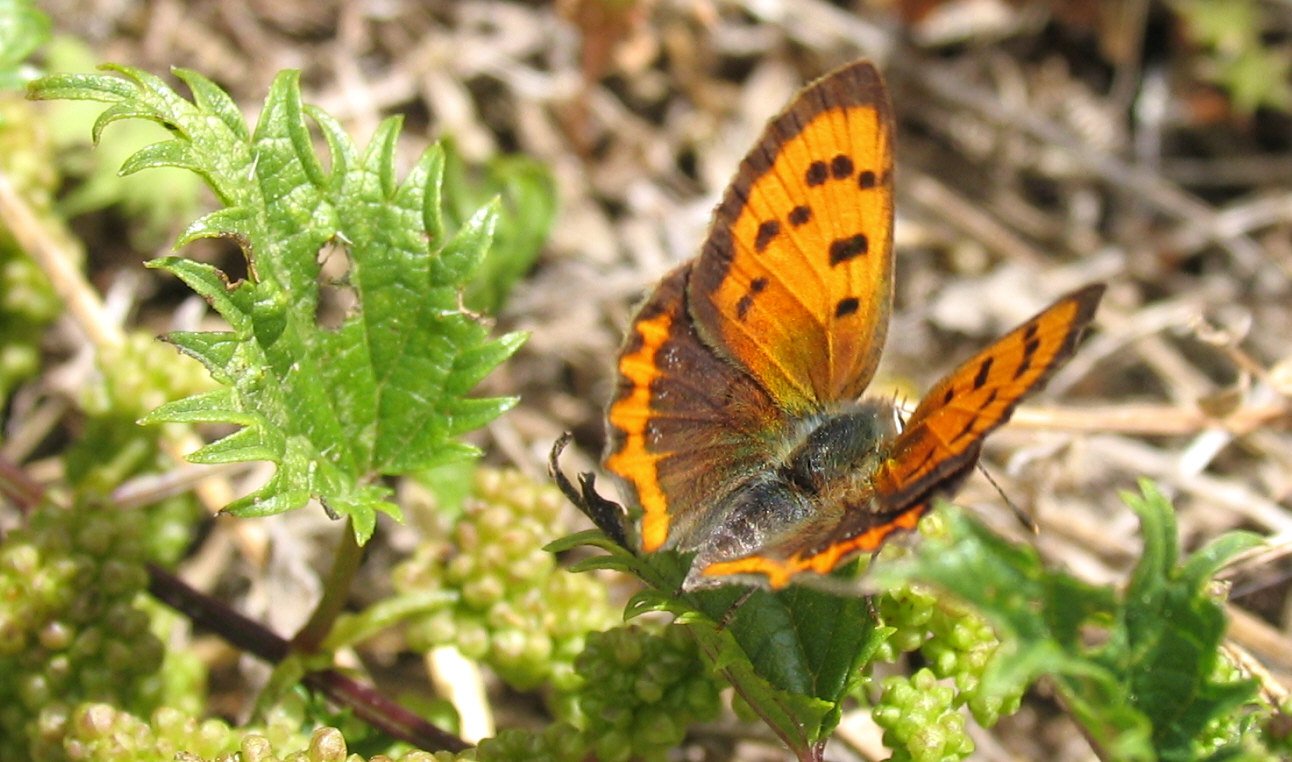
[791,655]
[1174,630]
[336,407]
[1144,690]
[798,641]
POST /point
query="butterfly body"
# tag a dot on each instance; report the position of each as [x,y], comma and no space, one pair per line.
[796,502]
[736,425]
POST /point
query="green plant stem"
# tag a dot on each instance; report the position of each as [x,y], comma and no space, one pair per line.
[345,564]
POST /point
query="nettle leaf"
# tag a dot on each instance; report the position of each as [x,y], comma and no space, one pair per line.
[336,407]
[790,655]
[1147,688]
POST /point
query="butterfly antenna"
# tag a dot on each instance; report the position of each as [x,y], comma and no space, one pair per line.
[1023,517]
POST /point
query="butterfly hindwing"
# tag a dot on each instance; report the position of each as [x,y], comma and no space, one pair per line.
[684,423]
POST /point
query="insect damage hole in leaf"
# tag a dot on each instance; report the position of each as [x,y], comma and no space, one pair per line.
[338,298]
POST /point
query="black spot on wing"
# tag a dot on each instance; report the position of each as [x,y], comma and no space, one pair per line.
[767,233]
[746,302]
[841,167]
[866,180]
[983,371]
[1029,351]
[817,173]
[800,215]
[846,307]
[844,249]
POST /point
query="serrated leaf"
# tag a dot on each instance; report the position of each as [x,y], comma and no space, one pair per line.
[799,718]
[213,349]
[470,367]
[212,285]
[469,414]
[1200,567]
[80,87]
[384,392]
[1146,689]
[790,655]
[232,222]
[210,99]
[169,154]
[208,407]
[240,446]
[797,642]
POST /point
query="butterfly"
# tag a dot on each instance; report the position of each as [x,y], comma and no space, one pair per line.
[736,425]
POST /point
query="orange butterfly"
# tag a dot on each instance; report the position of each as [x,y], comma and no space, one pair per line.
[736,425]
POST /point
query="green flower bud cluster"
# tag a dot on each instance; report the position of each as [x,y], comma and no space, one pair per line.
[69,627]
[102,733]
[639,689]
[141,374]
[956,642]
[517,611]
[642,689]
[920,721]
[560,742]
[920,712]
[27,303]
[961,647]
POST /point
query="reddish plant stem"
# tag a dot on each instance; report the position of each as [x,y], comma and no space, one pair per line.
[254,638]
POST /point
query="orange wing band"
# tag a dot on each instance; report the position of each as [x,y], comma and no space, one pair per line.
[779,571]
[631,415]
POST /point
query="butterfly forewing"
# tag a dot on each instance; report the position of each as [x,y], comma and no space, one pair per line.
[795,280]
[945,432]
